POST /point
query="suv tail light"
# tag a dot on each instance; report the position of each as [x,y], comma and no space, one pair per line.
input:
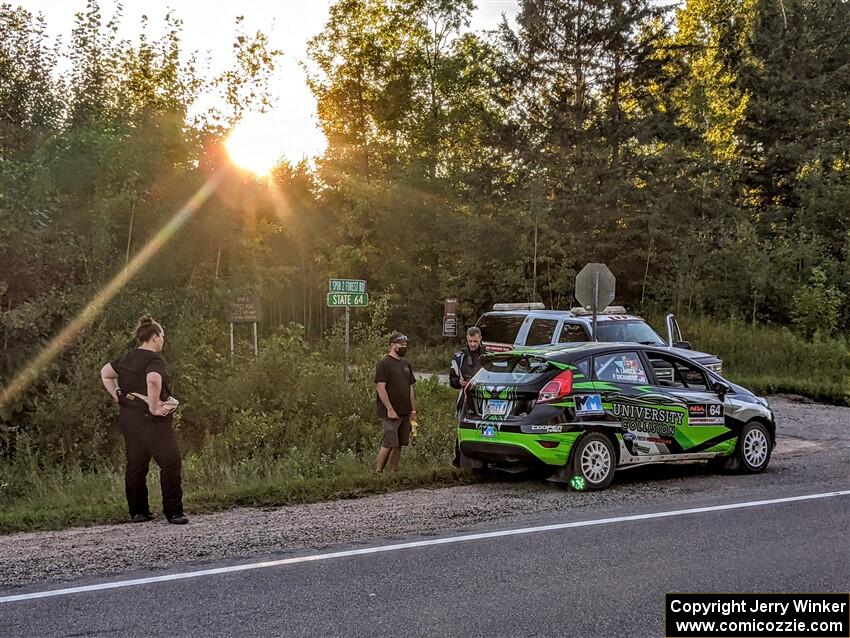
[557,388]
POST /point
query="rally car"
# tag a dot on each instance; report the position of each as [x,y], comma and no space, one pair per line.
[582,411]
[513,325]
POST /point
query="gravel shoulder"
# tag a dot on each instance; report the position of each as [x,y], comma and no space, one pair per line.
[813,455]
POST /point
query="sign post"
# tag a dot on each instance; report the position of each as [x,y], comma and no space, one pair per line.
[347,342]
[245,309]
[348,294]
[595,288]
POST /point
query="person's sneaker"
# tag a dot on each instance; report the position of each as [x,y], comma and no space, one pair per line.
[178,520]
[142,518]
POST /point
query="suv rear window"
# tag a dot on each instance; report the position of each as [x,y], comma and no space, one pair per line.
[634,331]
[500,328]
[511,369]
[573,333]
[541,332]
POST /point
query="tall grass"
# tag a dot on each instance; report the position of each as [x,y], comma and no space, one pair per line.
[260,457]
[771,359]
[72,497]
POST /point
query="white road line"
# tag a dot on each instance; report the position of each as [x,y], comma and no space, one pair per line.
[397,546]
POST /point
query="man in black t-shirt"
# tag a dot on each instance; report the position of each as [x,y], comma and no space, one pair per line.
[396,402]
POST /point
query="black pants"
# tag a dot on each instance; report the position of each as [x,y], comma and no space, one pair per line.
[145,438]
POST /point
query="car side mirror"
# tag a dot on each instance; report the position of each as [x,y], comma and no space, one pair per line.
[722,388]
[685,345]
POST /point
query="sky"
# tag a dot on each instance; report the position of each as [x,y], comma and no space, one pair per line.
[209,28]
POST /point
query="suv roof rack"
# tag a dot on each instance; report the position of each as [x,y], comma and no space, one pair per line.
[519,306]
[607,310]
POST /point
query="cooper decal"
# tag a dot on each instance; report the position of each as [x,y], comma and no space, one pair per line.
[546,428]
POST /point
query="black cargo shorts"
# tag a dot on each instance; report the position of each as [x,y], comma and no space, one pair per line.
[396,431]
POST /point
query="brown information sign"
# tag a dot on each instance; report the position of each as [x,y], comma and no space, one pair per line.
[450,318]
[245,309]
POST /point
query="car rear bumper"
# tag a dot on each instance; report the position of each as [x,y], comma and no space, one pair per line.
[511,448]
[499,453]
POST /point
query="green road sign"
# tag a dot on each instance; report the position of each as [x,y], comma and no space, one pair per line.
[342,299]
[348,294]
[346,285]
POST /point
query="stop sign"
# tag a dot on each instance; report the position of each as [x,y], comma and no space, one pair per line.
[595,286]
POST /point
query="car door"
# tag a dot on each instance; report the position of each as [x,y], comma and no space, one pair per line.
[674,334]
[705,428]
[646,419]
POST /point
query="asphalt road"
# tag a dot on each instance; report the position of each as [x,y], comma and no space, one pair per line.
[605,579]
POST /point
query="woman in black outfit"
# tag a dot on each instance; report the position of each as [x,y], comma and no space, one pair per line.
[138,383]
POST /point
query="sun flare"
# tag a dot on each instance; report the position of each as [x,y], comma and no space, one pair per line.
[254,144]
[262,140]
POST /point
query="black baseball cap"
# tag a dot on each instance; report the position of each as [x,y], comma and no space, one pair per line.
[397,337]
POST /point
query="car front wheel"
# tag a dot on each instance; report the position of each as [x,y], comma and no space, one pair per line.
[593,463]
[754,447]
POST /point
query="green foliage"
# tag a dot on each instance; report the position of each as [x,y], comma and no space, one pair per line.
[816,306]
[282,428]
[435,359]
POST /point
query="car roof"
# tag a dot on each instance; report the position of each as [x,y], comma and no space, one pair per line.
[523,313]
[580,349]
[556,314]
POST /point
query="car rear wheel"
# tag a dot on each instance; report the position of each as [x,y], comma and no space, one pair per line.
[754,448]
[593,463]
[475,466]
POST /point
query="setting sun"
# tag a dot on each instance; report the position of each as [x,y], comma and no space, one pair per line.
[262,140]
[252,144]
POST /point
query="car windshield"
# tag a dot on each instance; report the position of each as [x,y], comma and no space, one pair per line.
[511,370]
[635,331]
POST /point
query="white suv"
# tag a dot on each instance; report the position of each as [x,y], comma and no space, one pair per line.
[510,326]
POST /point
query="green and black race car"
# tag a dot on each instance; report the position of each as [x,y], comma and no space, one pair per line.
[585,410]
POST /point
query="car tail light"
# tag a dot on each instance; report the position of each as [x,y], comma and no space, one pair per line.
[549,444]
[557,388]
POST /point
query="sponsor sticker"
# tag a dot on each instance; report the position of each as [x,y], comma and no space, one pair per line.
[546,428]
[649,420]
[588,404]
[629,370]
[705,414]
[697,411]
